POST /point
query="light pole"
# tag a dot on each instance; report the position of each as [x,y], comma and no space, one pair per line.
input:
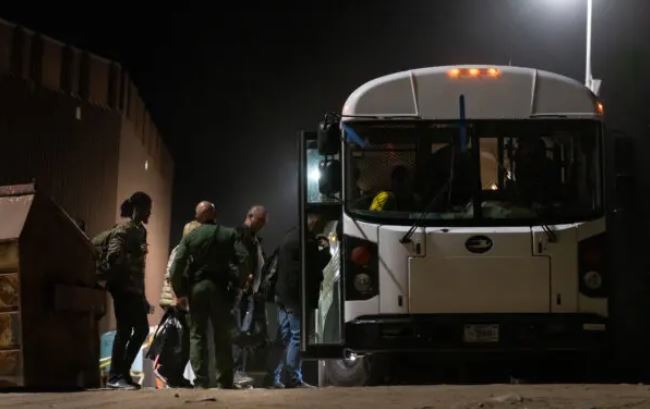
[588,77]
[590,82]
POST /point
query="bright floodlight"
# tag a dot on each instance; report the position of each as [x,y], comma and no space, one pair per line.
[313,174]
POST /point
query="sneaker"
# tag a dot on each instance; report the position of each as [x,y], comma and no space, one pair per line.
[242,379]
[120,383]
[276,385]
[301,385]
[131,382]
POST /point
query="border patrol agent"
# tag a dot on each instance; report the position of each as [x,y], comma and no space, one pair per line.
[211,258]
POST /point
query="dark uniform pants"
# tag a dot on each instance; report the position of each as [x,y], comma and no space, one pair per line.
[209,303]
[131,331]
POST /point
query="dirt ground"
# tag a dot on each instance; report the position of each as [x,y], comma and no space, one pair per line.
[403,397]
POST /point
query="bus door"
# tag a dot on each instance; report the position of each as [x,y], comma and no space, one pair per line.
[320,234]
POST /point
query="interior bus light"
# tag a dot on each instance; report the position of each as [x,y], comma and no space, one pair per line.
[493,72]
[600,108]
[474,72]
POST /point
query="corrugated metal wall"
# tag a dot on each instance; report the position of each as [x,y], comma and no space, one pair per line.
[133,176]
[73,160]
[75,123]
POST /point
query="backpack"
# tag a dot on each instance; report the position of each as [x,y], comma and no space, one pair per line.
[102,268]
[270,276]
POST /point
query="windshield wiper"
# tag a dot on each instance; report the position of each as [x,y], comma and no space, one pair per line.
[550,234]
[447,185]
[548,231]
[462,136]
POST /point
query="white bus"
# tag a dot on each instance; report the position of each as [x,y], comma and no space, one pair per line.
[466,210]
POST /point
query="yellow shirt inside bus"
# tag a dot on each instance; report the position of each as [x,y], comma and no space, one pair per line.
[382,201]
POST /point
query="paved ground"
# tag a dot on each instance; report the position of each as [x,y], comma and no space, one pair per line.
[402,397]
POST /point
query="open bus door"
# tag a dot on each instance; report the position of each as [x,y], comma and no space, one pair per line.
[322,291]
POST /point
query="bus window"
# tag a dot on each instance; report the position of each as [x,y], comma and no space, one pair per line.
[489,164]
[528,170]
[546,170]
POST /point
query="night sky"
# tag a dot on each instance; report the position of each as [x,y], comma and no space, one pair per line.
[229,88]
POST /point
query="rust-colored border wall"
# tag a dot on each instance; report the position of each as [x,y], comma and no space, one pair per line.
[70,148]
[139,170]
[75,123]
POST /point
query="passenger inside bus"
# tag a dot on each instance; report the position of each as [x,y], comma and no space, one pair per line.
[447,183]
[400,197]
[537,177]
[361,195]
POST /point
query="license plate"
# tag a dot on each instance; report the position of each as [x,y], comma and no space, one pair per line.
[481,333]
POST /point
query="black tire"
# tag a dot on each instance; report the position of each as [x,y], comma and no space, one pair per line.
[363,371]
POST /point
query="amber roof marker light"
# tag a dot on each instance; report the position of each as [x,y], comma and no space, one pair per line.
[474,72]
[454,73]
[493,72]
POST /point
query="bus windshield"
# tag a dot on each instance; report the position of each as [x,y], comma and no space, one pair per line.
[502,172]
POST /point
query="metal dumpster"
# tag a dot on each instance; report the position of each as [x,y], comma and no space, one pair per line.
[49,300]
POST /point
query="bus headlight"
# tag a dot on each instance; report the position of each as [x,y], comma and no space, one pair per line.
[592,280]
[363,283]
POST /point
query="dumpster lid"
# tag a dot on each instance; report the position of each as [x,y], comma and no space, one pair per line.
[15,202]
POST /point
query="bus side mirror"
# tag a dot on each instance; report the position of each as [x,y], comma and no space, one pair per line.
[329,182]
[329,136]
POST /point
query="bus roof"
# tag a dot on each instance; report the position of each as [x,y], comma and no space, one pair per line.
[490,92]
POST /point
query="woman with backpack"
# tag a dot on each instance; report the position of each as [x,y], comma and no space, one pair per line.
[125,263]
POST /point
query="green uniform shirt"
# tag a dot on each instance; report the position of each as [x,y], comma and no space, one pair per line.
[208,252]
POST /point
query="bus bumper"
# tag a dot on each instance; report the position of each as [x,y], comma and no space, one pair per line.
[478,333]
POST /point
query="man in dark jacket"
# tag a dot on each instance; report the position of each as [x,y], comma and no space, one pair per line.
[288,365]
[248,312]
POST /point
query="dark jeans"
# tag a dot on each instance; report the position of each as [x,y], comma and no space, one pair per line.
[132,329]
[288,365]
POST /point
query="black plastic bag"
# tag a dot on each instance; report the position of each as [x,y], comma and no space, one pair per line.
[171,344]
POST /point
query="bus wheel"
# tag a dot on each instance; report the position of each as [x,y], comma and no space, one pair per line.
[362,371]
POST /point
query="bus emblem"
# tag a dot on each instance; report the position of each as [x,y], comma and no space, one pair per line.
[478,244]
